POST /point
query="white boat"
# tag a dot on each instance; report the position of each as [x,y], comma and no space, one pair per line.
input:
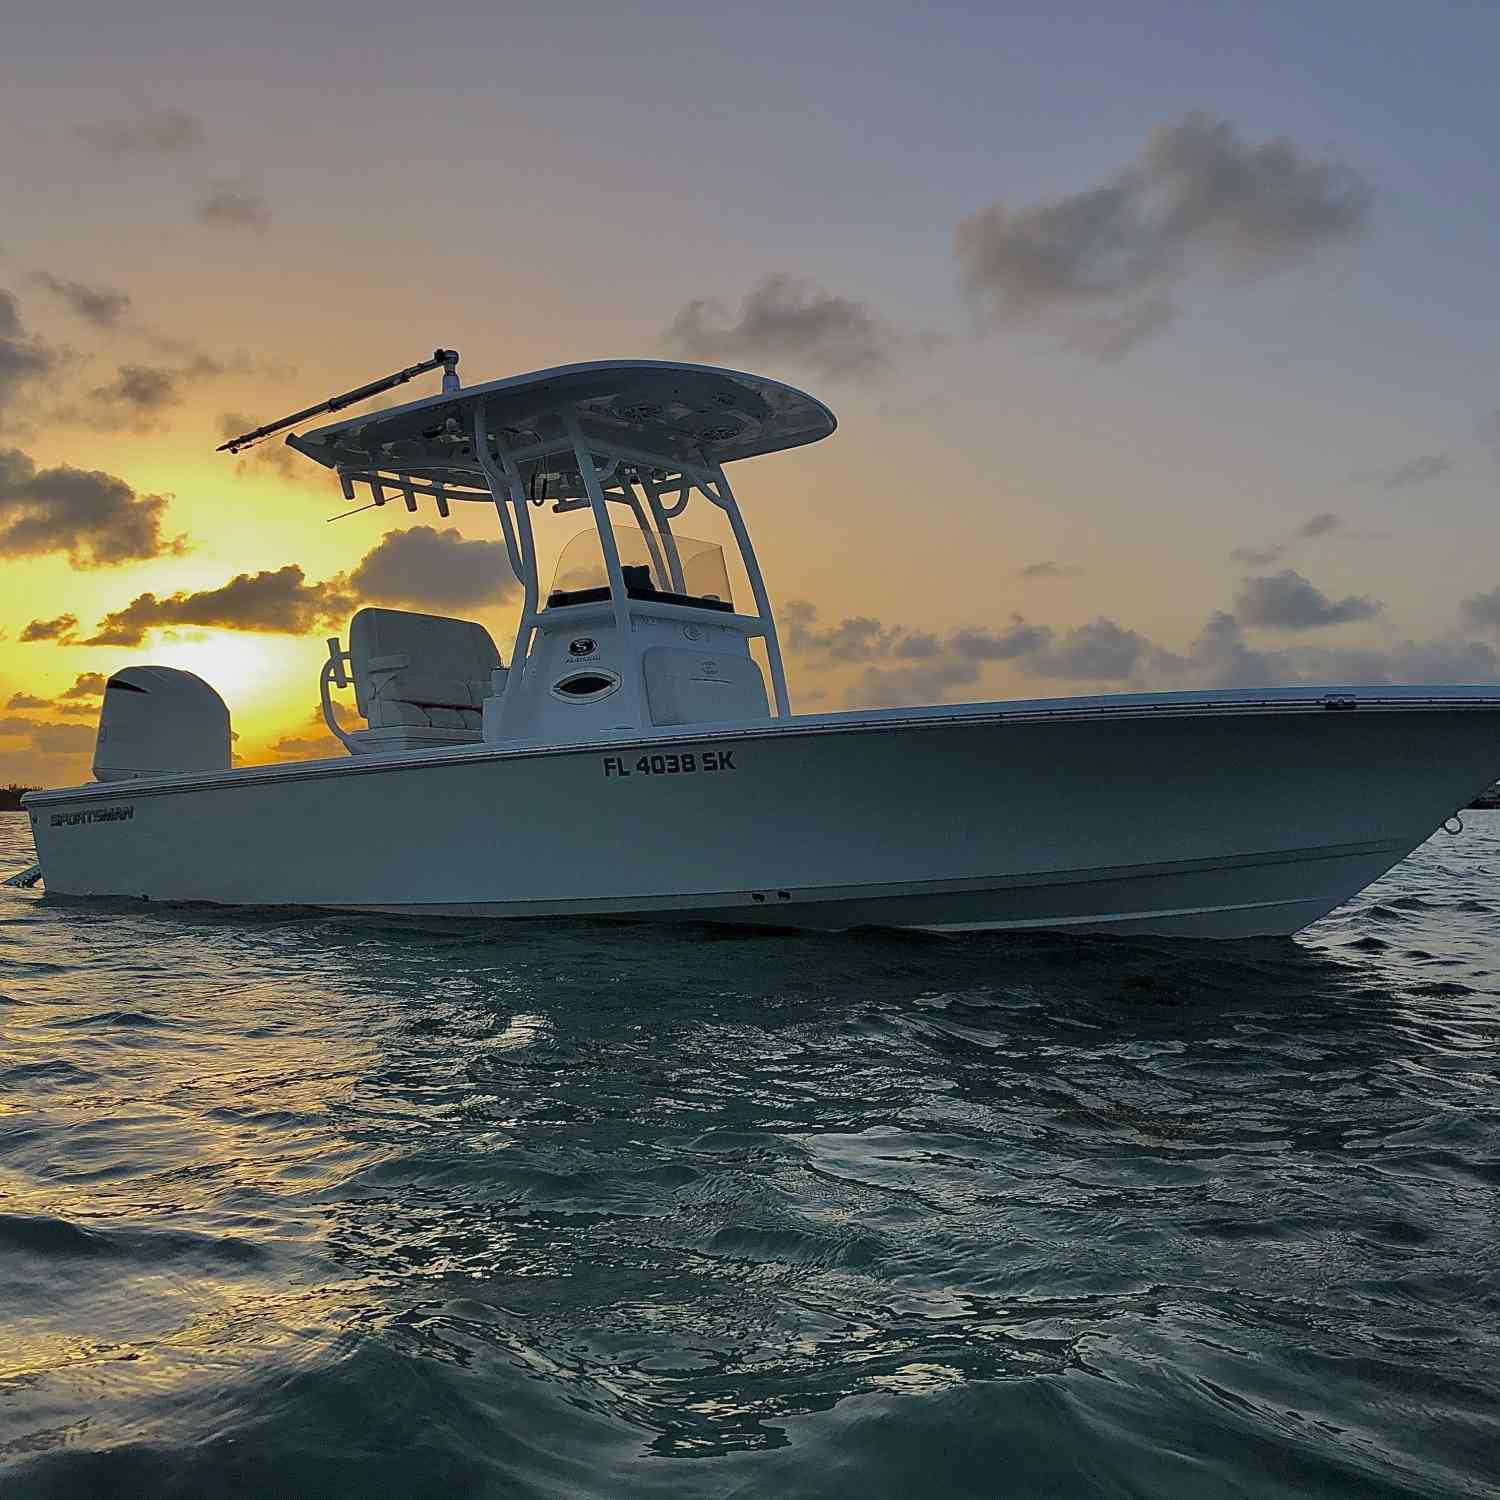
[631,758]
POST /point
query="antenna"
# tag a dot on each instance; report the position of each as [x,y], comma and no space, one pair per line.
[447,358]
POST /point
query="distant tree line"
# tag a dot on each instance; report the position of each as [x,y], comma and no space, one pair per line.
[10,796]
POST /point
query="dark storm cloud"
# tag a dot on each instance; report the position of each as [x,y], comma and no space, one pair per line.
[786,318]
[100,305]
[282,602]
[1102,267]
[433,570]
[62,630]
[1288,601]
[149,132]
[95,519]
[25,700]
[234,205]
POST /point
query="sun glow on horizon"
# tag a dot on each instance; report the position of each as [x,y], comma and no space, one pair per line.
[256,675]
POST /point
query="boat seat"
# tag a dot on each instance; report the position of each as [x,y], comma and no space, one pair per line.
[421,673]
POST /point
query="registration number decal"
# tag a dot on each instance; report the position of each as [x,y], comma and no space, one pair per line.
[688,763]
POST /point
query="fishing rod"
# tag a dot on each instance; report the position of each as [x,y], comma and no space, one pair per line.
[447,358]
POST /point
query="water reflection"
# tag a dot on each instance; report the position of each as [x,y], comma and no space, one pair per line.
[536,1204]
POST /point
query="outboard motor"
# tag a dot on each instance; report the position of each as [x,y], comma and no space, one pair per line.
[156,721]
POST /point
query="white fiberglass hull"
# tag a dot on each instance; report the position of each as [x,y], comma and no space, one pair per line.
[1213,815]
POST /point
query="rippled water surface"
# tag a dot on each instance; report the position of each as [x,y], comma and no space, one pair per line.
[331,1206]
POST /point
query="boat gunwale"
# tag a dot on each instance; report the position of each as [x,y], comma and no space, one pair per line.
[1120,706]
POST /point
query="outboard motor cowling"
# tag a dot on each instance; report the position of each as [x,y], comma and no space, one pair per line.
[158,720]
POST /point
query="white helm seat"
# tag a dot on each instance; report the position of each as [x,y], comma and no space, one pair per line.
[421,673]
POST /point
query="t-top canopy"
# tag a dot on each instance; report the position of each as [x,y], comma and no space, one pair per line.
[696,414]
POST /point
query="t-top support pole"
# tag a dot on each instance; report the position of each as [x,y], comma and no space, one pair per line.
[590,476]
[724,499]
[504,480]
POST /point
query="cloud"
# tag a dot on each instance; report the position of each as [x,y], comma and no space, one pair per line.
[135,398]
[1319,525]
[1324,523]
[1220,657]
[25,700]
[433,570]
[234,205]
[313,740]
[889,687]
[307,739]
[1288,601]
[905,665]
[1260,557]
[859,638]
[1102,268]
[23,359]
[94,518]
[1019,638]
[61,630]
[86,685]
[49,737]
[274,456]
[300,748]
[785,318]
[420,567]
[1048,569]
[1413,471]
[282,602]
[141,394]
[63,739]
[100,305]
[149,132]
[1100,651]
[1481,611]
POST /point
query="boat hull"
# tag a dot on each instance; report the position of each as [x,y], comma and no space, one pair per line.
[1190,815]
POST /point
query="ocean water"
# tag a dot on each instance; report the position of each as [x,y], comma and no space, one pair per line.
[321,1205]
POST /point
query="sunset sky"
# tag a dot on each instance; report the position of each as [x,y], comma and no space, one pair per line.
[1162,337]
